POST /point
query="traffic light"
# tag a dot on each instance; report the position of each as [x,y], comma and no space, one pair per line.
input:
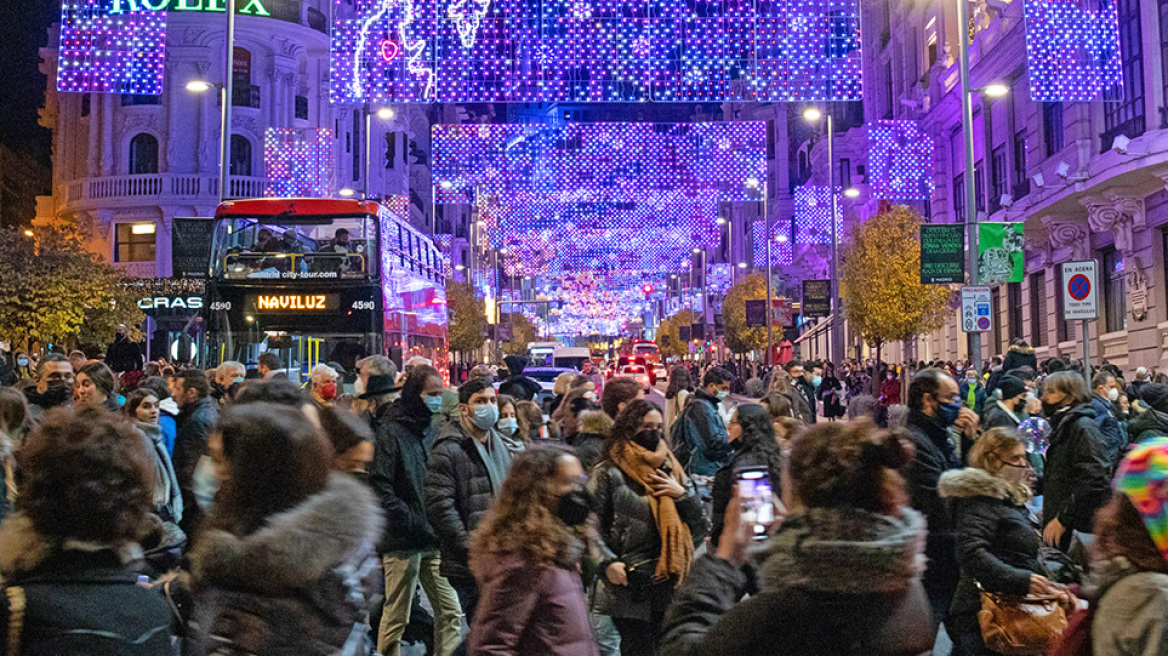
[648,290]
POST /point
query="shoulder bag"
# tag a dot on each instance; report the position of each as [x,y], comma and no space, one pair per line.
[1020,626]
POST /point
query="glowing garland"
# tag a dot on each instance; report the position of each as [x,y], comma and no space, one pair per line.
[101,51]
[900,161]
[299,162]
[1072,54]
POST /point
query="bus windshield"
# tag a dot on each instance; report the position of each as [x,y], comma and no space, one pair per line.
[295,247]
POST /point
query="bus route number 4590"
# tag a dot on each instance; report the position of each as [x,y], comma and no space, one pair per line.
[363,305]
[221,306]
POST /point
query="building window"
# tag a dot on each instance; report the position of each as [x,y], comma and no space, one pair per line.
[85,104]
[888,95]
[390,150]
[134,242]
[979,185]
[240,155]
[1038,319]
[1052,127]
[997,177]
[845,168]
[302,108]
[243,94]
[356,145]
[1164,58]
[959,199]
[1114,291]
[1125,113]
[143,154]
[1021,164]
[1014,311]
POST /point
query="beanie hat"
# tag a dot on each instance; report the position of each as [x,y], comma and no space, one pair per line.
[1143,478]
[1011,386]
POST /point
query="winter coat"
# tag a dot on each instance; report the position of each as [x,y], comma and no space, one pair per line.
[1108,423]
[629,532]
[195,424]
[301,584]
[398,477]
[529,609]
[673,408]
[723,487]
[699,435]
[123,355]
[517,385]
[78,601]
[172,511]
[832,394]
[934,456]
[979,397]
[589,442]
[834,598]
[1019,356]
[1077,479]
[1147,425]
[889,392]
[996,544]
[998,417]
[1131,617]
[809,394]
[458,493]
[167,420]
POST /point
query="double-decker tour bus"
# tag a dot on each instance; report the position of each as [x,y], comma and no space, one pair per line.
[319,280]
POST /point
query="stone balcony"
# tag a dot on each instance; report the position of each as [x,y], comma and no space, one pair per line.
[153,188]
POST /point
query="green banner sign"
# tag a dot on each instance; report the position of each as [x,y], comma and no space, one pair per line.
[1000,254]
[942,254]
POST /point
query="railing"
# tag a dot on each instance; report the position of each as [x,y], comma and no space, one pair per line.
[160,186]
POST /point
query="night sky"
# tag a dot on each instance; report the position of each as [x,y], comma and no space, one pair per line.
[23,30]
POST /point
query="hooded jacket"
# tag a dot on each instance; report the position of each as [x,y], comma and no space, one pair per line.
[299,585]
[398,475]
[518,385]
[78,600]
[1108,424]
[996,544]
[699,435]
[837,582]
[1019,356]
[1077,480]
[1129,616]
[1148,424]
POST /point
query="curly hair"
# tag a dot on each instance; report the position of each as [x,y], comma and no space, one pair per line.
[849,464]
[522,520]
[625,426]
[86,477]
[1120,532]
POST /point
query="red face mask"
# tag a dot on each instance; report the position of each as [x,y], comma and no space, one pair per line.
[329,391]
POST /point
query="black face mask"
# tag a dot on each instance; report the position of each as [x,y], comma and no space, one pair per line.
[647,439]
[575,507]
[57,394]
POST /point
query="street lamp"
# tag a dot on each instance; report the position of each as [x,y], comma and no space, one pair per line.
[996,90]
[385,114]
[852,192]
[347,192]
[813,114]
[28,233]
[203,86]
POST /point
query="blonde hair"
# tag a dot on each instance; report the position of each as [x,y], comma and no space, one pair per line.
[988,454]
[563,382]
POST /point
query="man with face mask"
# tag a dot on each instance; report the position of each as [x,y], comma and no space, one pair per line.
[699,434]
[54,386]
[323,384]
[1010,409]
[123,355]
[464,473]
[409,546]
[1104,395]
[935,416]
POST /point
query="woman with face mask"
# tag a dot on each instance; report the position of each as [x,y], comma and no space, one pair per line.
[526,556]
[751,433]
[997,547]
[508,424]
[650,521]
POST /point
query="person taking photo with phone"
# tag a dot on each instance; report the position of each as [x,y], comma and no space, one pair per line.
[752,436]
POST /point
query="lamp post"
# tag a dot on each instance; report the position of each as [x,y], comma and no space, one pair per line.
[385,114]
[202,86]
[813,115]
[703,254]
[729,223]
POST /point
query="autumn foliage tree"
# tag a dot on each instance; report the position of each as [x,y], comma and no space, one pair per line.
[740,338]
[880,283]
[468,318]
[522,333]
[669,342]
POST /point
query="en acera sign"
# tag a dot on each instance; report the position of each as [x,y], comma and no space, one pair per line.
[251,8]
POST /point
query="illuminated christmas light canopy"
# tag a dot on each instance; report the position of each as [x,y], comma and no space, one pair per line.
[106,47]
[782,249]
[812,215]
[299,162]
[1073,53]
[900,161]
[595,51]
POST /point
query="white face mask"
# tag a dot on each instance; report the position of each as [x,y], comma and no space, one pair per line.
[1113,395]
[507,425]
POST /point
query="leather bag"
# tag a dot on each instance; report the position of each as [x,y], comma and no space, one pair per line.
[1020,626]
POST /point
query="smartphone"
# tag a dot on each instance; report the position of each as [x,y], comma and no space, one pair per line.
[757,496]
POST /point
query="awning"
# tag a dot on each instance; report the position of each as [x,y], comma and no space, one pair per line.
[816,331]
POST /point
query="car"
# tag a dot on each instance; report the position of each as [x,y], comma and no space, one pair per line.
[546,377]
[660,372]
[639,372]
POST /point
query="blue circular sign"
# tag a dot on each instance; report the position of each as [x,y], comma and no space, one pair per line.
[1079,287]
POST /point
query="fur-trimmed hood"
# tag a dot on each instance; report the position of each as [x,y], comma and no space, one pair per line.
[972,482]
[296,547]
[23,548]
[1023,350]
[595,422]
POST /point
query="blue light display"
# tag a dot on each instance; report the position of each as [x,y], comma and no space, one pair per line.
[1073,53]
[782,248]
[107,51]
[299,162]
[812,215]
[900,161]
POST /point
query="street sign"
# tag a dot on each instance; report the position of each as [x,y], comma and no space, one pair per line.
[942,253]
[756,314]
[1080,297]
[816,298]
[975,309]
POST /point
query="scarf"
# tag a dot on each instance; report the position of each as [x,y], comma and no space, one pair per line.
[677,548]
[496,458]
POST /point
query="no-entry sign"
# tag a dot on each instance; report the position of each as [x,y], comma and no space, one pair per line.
[1079,291]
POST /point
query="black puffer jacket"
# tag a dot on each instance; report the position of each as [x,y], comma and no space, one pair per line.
[1148,424]
[724,483]
[398,476]
[589,442]
[934,456]
[996,544]
[1077,479]
[1019,356]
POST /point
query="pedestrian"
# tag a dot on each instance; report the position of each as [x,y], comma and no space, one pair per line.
[890,388]
[517,385]
[198,413]
[1131,543]
[934,406]
[650,521]
[752,436]
[464,474]
[96,389]
[231,375]
[1077,477]
[561,386]
[831,392]
[567,416]
[271,367]
[1141,379]
[531,423]
[618,393]
[123,355]
[508,424]
[286,562]
[351,440]
[1020,354]
[1103,398]
[588,442]
[1008,405]
[782,384]
[699,435]
[53,387]
[70,584]
[14,423]
[802,379]
[142,409]
[323,385]
[997,545]
[526,557]
[409,545]
[840,575]
[676,394]
[972,391]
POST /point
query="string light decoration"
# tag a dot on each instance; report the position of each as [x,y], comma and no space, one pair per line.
[782,249]
[812,215]
[299,162]
[900,161]
[595,51]
[107,48]
[1073,53]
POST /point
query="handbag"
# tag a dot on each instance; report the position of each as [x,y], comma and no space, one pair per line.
[1020,626]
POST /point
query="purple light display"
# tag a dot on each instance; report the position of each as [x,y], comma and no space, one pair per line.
[1072,53]
[106,51]
[299,162]
[782,250]
[595,51]
[900,161]
[812,215]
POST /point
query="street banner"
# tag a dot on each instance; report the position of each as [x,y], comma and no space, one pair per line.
[683,333]
[942,254]
[1000,256]
[816,298]
[699,331]
[1080,291]
[975,309]
[190,247]
[756,314]
[782,314]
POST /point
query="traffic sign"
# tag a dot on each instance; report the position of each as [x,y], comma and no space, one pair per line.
[1080,300]
[975,309]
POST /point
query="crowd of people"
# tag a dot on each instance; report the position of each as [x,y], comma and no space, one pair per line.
[806,509]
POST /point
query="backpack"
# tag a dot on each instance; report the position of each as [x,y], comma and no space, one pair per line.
[683,436]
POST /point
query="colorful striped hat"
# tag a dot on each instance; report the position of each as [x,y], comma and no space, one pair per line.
[1143,477]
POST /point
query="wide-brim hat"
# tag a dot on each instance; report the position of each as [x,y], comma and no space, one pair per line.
[378,385]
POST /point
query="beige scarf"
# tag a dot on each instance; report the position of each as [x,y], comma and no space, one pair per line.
[677,548]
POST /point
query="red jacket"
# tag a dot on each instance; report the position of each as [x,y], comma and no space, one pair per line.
[889,392]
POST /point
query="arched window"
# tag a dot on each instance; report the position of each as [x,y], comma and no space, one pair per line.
[143,154]
[240,155]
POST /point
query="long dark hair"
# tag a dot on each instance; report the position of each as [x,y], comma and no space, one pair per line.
[678,380]
[627,423]
[277,459]
[758,436]
[102,377]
